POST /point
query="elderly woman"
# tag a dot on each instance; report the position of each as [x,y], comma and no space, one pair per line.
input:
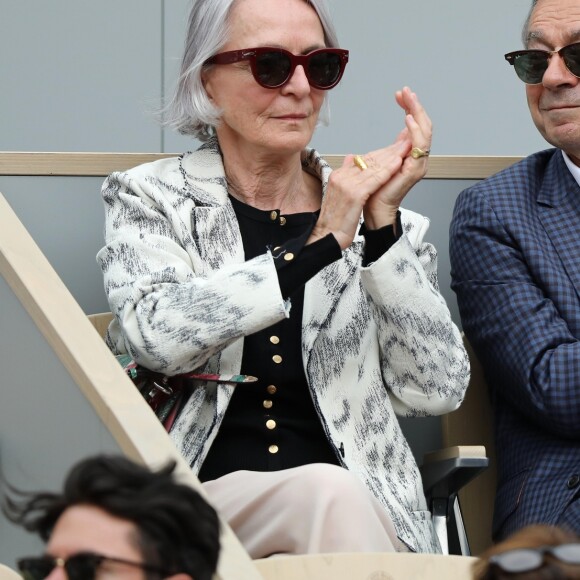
[251,256]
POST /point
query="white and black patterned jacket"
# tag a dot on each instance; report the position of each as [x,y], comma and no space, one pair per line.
[377,341]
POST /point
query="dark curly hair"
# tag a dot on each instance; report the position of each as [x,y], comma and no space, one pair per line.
[177,529]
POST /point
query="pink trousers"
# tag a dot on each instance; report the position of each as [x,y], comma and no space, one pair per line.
[316,508]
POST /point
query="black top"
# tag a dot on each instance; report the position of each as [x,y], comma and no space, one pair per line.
[273,424]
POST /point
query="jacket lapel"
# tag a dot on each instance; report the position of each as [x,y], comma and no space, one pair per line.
[559,213]
[215,230]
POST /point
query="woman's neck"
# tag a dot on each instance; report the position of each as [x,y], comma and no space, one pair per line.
[271,182]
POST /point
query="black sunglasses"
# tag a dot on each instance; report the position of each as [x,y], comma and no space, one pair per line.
[528,559]
[531,65]
[274,67]
[81,566]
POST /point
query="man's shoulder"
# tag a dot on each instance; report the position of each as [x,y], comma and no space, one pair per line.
[526,175]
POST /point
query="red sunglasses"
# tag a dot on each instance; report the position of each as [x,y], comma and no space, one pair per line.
[274,67]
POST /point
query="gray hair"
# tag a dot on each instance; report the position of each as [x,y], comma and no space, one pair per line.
[190,111]
[525,29]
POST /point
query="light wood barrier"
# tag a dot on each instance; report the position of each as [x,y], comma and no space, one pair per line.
[101,164]
[377,566]
[8,574]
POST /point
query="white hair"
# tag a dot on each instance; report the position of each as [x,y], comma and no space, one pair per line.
[190,110]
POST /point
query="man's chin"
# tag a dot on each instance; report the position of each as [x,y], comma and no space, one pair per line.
[564,136]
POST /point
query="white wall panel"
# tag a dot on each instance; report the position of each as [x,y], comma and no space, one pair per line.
[450,52]
[175,20]
[78,75]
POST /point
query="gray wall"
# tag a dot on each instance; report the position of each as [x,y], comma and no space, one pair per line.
[79,75]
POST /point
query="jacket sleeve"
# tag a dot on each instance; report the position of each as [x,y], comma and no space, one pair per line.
[531,358]
[174,318]
[423,361]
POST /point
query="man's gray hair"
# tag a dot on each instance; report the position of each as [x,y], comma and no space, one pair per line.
[190,110]
[525,30]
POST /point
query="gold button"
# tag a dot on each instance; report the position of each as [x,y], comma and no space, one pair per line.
[274,339]
[289,256]
[271,424]
[273,215]
[282,220]
[267,404]
[273,449]
[271,389]
[277,359]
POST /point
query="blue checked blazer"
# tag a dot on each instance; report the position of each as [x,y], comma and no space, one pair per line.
[515,261]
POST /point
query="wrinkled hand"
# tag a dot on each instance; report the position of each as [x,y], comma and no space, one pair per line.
[377,191]
[382,207]
[349,189]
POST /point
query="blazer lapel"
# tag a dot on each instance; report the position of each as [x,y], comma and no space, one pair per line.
[559,213]
[215,230]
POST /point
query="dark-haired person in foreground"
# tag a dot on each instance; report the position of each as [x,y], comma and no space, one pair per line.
[117,519]
[515,260]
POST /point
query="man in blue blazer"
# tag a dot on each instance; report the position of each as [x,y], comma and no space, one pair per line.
[515,258]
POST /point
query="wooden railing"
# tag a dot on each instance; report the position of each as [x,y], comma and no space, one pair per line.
[101,164]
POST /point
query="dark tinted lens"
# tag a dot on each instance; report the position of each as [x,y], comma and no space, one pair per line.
[272,68]
[531,66]
[35,568]
[82,566]
[323,69]
[571,56]
[518,560]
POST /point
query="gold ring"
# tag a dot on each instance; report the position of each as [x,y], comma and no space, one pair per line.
[417,153]
[360,162]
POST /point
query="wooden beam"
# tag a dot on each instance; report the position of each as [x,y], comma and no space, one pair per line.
[101,164]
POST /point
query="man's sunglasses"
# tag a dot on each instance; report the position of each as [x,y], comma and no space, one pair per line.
[81,566]
[528,559]
[274,67]
[531,65]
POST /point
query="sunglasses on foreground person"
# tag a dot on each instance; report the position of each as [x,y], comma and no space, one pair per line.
[521,560]
[117,519]
[536,552]
[82,566]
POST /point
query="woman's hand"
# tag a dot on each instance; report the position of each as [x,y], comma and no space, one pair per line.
[349,189]
[381,208]
[378,190]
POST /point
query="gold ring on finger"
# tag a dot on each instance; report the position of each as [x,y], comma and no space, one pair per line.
[360,162]
[417,152]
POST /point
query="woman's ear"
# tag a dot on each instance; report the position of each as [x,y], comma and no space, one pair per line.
[206,82]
